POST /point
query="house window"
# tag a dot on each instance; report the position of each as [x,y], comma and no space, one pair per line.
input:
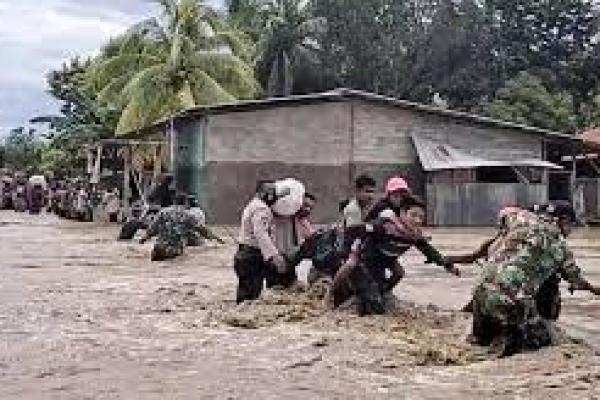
[496,175]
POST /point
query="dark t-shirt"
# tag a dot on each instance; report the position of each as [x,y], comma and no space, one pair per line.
[380,206]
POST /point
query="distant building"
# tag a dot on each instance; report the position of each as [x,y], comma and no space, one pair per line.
[466,166]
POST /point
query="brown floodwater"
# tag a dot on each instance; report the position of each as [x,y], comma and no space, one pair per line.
[83,316]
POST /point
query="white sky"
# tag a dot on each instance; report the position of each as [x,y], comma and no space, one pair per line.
[36,36]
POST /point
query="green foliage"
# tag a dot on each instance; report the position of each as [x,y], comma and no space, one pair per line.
[289,57]
[527,101]
[82,120]
[23,150]
[195,59]
[527,61]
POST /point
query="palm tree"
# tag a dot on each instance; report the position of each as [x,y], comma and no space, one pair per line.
[156,69]
[289,60]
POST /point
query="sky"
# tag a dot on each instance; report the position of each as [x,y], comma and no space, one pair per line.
[37,36]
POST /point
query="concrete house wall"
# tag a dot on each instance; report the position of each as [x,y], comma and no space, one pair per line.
[323,143]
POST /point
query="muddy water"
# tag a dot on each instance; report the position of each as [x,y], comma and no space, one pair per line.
[83,316]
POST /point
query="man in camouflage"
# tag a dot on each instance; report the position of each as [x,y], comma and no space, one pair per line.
[530,250]
[172,227]
[194,209]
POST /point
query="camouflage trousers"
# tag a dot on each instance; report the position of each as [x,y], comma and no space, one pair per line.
[515,323]
[194,239]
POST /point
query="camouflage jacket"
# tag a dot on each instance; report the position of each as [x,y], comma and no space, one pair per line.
[172,225]
[530,250]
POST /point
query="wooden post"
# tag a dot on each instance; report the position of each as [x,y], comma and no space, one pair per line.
[157,161]
[96,169]
[126,179]
[573,178]
[172,146]
[90,161]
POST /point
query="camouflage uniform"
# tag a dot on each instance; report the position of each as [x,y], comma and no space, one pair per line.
[195,238]
[172,227]
[529,253]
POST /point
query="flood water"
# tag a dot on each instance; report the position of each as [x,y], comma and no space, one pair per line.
[83,316]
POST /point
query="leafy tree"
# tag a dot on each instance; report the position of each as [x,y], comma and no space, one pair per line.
[453,57]
[526,100]
[82,120]
[248,16]
[23,150]
[289,53]
[155,70]
[540,33]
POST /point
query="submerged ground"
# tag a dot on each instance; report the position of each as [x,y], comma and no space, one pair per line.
[85,317]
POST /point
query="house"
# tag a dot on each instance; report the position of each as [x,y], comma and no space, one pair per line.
[584,167]
[466,166]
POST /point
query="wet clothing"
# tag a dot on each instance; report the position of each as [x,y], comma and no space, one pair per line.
[521,268]
[257,248]
[548,299]
[378,207]
[373,254]
[326,249]
[198,214]
[253,271]
[171,227]
[195,238]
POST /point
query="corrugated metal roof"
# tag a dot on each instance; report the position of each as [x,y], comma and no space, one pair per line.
[342,94]
[438,156]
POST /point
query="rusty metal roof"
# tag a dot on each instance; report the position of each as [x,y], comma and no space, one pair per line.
[438,156]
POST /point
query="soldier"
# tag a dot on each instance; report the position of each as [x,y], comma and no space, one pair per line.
[141,217]
[172,227]
[531,250]
[198,214]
